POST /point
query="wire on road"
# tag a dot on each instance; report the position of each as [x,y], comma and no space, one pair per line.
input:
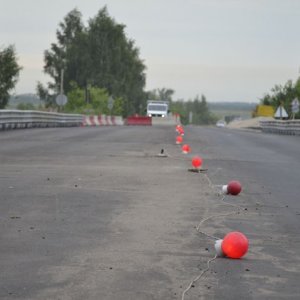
[238,207]
[198,277]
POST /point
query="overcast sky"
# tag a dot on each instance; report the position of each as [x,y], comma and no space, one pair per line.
[228,50]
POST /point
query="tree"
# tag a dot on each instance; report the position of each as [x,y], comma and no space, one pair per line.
[99,55]
[9,73]
[65,55]
[97,104]
[199,108]
[283,95]
[43,94]
[165,94]
[115,64]
[76,100]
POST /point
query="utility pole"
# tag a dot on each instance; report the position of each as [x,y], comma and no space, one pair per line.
[62,81]
[190,117]
[61,99]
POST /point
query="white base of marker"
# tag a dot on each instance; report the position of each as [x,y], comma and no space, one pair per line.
[218,247]
[225,189]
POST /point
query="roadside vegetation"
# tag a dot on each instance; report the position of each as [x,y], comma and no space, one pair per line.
[283,95]
[9,73]
[95,63]
[194,111]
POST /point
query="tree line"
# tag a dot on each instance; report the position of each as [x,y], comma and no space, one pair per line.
[94,63]
[96,56]
[194,111]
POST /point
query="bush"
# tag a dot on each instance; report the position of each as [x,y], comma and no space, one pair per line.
[25,106]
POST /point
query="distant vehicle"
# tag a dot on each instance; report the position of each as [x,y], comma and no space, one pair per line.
[157,108]
[221,123]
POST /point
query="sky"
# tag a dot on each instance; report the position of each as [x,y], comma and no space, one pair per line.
[227,50]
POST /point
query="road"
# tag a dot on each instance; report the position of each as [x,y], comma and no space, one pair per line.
[268,166]
[95,213]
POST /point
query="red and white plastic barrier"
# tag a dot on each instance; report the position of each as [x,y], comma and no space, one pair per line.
[102,120]
[139,120]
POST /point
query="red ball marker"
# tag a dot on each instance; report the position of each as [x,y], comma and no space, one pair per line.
[235,245]
[197,162]
[179,140]
[186,149]
[234,187]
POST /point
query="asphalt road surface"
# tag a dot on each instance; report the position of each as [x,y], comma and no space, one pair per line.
[96,213]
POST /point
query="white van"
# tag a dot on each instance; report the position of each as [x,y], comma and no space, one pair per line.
[157,108]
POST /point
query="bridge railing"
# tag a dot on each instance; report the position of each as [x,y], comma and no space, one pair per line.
[288,127]
[11,119]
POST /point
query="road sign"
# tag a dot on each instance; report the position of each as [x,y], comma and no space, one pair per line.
[295,106]
[110,103]
[61,100]
[280,112]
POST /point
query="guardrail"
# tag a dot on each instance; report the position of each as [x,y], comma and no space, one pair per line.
[287,127]
[13,119]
